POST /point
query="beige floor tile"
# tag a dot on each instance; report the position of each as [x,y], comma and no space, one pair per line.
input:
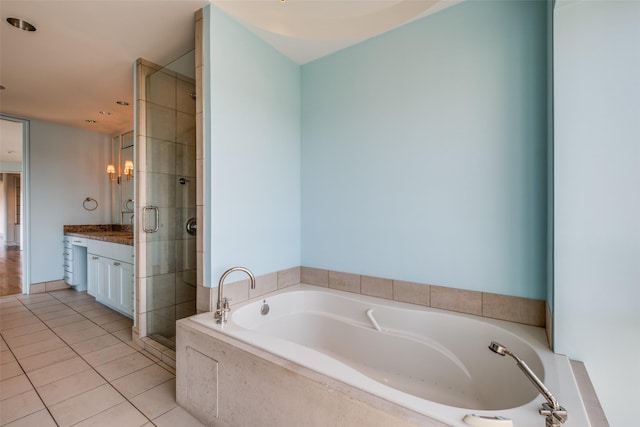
[9,302]
[106,318]
[9,370]
[70,386]
[157,401]
[6,356]
[36,302]
[52,357]
[83,335]
[21,321]
[48,308]
[124,335]
[28,339]
[167,367]
[142,380]
[97,312]
[38,347]
[108,354]
[23,330]
[118,325]
[74,327]
[42,418]
[14,313]
[121,415]
[66,311]
[93,344]
[19,406]
[64,320]
[34,299]
[177,417]
[14,386]
[123,366]
[58,371]
[86,405]
[82,307]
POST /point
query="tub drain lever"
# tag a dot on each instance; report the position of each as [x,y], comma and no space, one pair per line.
[373,319]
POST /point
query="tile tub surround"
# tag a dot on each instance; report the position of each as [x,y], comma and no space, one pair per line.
[210,386]
[502,307]
[114,233]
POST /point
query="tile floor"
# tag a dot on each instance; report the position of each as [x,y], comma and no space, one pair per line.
[66,360]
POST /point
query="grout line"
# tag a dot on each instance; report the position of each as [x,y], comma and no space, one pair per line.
[55,299]
[33,387]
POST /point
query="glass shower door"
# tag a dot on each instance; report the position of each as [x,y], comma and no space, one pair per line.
[167,197]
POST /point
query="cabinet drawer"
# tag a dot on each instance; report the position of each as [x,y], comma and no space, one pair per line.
[115,251]
[68,265]
[78,241]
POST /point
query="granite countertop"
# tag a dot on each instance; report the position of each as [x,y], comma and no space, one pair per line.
[114,233]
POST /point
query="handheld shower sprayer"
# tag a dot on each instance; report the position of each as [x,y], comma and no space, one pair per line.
[556,414]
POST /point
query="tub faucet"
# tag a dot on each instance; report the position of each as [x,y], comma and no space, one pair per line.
[555,414]
[222,308]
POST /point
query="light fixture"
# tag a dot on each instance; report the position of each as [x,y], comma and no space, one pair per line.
[104,113]
[128,169]
[21,24]
[123,103]
[90,121]
[111,170]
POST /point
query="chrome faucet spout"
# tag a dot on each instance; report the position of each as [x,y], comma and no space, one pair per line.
[222,307]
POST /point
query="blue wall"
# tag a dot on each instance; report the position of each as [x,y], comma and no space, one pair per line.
[424,152]
[252,151]
[597,202]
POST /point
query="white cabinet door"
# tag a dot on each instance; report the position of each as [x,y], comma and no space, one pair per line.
[125,286]
[103,274]
[111,280]
[93,274]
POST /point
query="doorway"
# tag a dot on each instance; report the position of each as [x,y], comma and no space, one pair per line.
[14,139]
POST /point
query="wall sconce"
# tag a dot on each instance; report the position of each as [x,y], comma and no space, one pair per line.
[128,169]
[111,170]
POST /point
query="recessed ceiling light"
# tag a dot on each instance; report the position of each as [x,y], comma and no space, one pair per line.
[125,103]
[104,113]
[21,23]
[90,121]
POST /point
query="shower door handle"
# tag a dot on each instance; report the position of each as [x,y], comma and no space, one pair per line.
[146,228]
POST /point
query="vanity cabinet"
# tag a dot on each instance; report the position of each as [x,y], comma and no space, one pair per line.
[110,277]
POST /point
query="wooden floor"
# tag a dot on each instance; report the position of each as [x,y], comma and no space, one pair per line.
[10,271]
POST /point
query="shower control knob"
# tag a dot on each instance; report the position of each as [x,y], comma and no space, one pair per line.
[191,226]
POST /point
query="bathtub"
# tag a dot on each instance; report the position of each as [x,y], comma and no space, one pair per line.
[432,362]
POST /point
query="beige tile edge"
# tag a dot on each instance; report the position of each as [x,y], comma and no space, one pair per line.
[589,397]
[42,287]
[496,306]
[548,325]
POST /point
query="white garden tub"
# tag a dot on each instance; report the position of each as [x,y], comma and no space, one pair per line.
[434,362]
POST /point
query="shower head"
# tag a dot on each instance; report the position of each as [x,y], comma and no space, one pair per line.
[498,348]
[503,351]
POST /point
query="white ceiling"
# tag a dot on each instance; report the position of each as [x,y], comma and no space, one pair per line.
[80,59]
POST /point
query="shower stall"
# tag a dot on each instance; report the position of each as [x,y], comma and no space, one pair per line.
[165,196]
